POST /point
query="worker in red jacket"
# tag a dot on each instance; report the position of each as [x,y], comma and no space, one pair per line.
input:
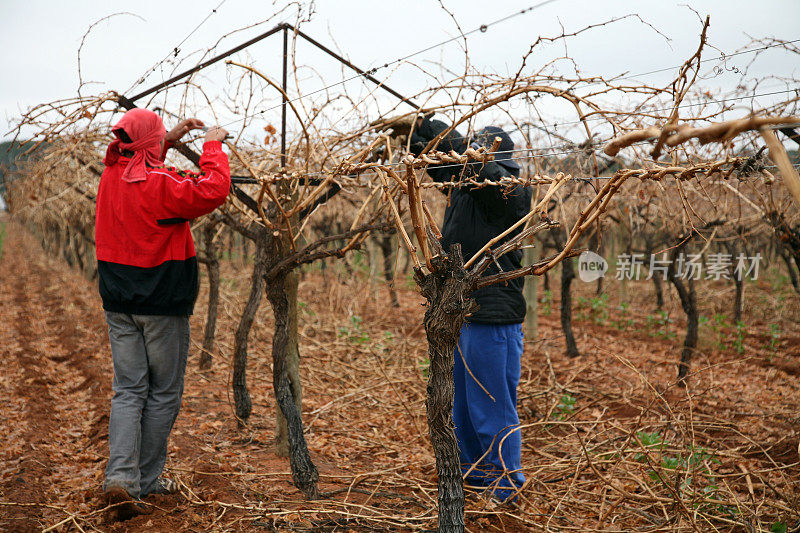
[148,282]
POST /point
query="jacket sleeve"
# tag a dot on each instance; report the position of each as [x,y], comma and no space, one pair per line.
[428,130]
[189,195]
[492,196]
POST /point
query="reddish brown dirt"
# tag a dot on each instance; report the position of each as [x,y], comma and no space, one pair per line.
[57,386]
[56,383]
[363,373]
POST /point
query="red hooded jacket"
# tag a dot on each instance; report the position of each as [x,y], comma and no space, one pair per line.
[145,252]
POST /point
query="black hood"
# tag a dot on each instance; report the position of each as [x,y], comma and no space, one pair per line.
[505,154]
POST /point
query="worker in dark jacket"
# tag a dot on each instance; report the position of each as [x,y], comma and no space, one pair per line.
[490,346]
[148,283]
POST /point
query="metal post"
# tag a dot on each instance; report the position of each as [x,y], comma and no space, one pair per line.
[355,68]
[531,256]
[128,103]
[208,63]
[283,104]
[283,26]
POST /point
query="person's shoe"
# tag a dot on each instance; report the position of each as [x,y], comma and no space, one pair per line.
[164,485]
[123,505]
[503,495]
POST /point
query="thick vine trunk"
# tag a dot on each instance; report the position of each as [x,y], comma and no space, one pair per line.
[212,267]
[282,446]
[791,269]
[567,275]
[286,445]
[738,281]
[241,395]
[688,299]
[659,287]
[388,266]
[446,291]
[304,472]
[689,304]
[788,238]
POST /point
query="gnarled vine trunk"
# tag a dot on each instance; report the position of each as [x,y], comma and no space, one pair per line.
[689,304]
[567,275]
[388,266]
[738,282]
[211,260]
[446,290]
[282,447]
[688,298]
[791,268]
[304,472]
[241,394]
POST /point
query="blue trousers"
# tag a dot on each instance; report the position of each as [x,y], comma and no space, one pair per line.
[486,421]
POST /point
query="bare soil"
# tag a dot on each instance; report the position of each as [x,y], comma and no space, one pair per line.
[733,432]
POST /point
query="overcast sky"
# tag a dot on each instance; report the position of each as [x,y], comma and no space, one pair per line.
[40,41]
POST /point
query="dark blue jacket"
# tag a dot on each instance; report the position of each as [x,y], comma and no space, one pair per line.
[474,216]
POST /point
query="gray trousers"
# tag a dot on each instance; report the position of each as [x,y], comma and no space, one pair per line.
[149,354]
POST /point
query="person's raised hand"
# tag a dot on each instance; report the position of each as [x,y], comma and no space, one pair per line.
[183,127]
[215,133]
